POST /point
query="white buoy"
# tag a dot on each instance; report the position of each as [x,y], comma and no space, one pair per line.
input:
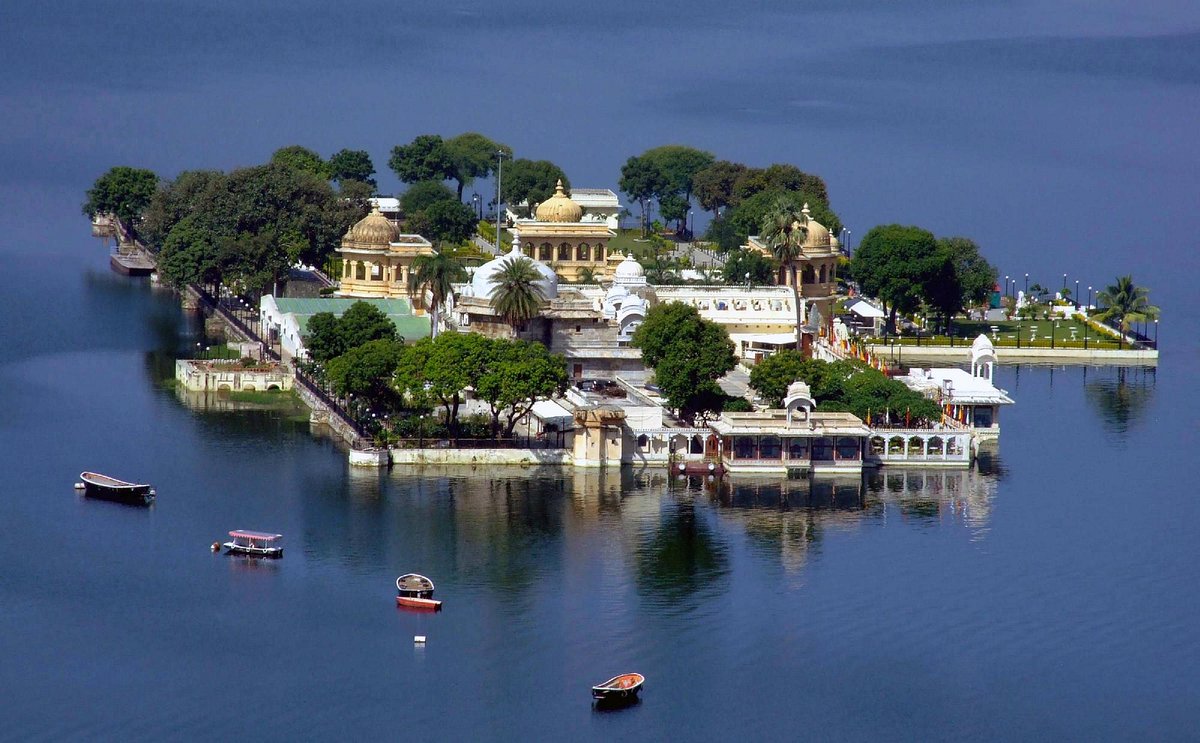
[79,486]
[419,639]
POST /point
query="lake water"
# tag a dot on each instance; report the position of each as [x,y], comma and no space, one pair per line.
[1047,594]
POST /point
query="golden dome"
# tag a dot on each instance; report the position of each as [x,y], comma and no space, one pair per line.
[373,229]
[559,207]
[818,234]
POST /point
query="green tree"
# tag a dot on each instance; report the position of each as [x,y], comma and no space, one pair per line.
[740,262]
[781,177]
[688,354]
[1124,303]
[366,370]
[516,375]
[426,158]
[784,232]
[975,274]
[185,196]
[516,294]
[674,208]
[420,196]
[679,164]
[747,217]
[725,235]
[351,165]
[301,158]
[642,180]
[444,222]
[435,274]
[530,181]
[190,255]
[329,336]
[123,192]
[439,369]
[771,376]
[941,285]
[713,185]
[472,156]
[254,262]
[890,264]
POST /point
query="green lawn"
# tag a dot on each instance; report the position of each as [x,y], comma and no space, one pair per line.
[1020,333]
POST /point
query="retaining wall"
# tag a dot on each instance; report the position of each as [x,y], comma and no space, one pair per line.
[1008,355]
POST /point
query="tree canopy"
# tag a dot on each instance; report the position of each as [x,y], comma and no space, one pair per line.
[435,274]
[516,294]
[445,222]
[420,196]
[739,262]
[351,165]
[747,217]
[424,159]
[846,385]
[301,158]
[714,184]
[688,354]
[642,180]
[891,263]
[1124,303]
[123,192]
[366,369]
[472,156]
[530,181]
[329,336]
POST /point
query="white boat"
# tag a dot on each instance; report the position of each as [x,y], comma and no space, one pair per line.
[257,543]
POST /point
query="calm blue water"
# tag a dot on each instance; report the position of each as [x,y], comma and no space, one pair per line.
[1049,594]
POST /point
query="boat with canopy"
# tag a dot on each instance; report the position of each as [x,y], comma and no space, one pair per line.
[256,543]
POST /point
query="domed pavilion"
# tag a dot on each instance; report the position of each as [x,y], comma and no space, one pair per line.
[816,269]
[559,238]
[376,259]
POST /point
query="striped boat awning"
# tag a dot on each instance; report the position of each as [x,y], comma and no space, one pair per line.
[258,535]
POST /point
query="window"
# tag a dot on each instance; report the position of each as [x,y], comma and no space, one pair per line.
[807,275]
[847,448]
[643,442]
[564,252]
[583,252]
[529,249]
[545,252]
[743,447]
[797,448]
[360,273]
[769,447]
[822,279]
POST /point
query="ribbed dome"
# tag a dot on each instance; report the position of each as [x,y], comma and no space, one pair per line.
[629,272]
[373,229]
[559,207]
[482,282]
[818,234]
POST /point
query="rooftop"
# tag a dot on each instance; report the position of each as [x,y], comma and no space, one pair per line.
[775,422]
[399,311]
[963,387]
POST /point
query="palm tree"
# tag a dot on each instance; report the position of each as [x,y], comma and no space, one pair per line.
[586,275]
[516,295]
[1125,303]
[435,274]
[784,232]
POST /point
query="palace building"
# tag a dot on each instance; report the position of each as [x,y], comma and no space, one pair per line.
[560,238]
[816,269]
[376,260]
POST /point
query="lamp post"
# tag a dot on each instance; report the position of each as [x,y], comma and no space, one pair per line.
[1064,282]
[846,245]
[1156,335]
[691,225]
[478,202]
[1027,284]
[1076,295]
[1006,285]
[1088,308]
[499,176]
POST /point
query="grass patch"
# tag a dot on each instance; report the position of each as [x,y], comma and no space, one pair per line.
[1073,334]
[266,397]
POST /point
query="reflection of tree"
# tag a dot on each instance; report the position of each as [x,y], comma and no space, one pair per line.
[1122,400]
[682,556]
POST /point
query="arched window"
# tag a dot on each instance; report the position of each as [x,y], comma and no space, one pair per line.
[808,276]
[583,252]
[600,254]
[529,249]
[935,446]
[822,276]
[360,273]
[696,445]
[896,445]
[643,442]
[545,252]
[564,251]
[877,445]
[916,446]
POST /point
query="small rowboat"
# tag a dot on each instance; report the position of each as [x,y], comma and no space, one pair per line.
[96,485]
[255,543]
[626,686]
[416,592]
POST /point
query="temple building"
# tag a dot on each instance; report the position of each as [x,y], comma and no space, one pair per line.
[599,205]
[560,238]
[376,260]
[816,269]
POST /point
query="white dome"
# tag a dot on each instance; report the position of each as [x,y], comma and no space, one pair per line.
[481,282]
[629,272]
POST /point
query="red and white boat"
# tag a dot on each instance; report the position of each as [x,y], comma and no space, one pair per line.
[416,592]
[255,543]
[619,688]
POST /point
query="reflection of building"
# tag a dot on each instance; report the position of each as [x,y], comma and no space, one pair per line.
[560,238]
[376,259]
[816,270]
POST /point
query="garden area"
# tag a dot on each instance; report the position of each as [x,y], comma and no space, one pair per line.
[1073,333]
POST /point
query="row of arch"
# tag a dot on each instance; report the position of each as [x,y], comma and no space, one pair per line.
[545,252]
[915,446]
[809,275]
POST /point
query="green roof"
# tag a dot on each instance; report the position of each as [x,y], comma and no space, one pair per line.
[399,311]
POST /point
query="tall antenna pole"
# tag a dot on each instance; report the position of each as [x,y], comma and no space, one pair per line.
[499,175]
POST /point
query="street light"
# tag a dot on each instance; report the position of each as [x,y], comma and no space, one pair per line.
[477,201]
[1026,284]
[691,225]
[847,243]
[1006,285]
[1064,282]
[1076,295]
[1156,335]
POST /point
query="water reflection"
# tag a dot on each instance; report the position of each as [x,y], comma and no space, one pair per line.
[1120,395]
[934,497]
[681,555]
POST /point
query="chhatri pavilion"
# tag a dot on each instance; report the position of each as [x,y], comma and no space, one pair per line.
[376,259]
[816,269]
[559,238]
